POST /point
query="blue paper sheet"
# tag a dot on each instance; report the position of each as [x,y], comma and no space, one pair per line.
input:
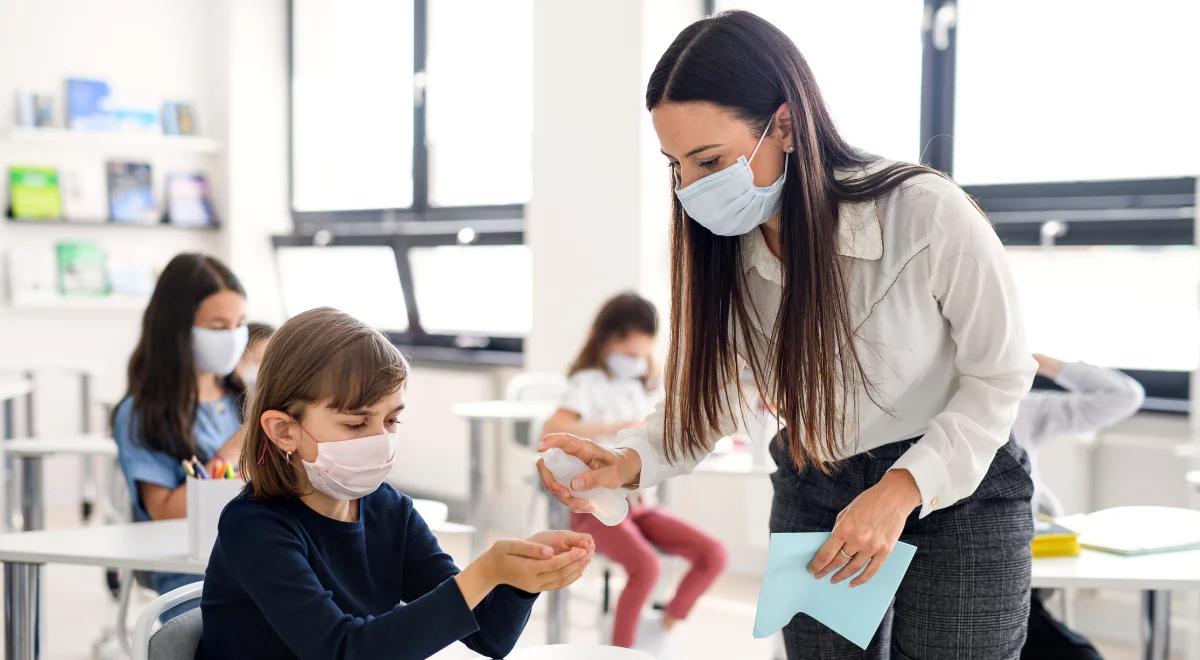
[788,588]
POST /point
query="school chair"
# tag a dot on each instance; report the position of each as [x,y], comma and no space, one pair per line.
[178,638]
[533,386]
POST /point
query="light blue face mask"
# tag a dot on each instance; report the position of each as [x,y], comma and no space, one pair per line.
[727,203]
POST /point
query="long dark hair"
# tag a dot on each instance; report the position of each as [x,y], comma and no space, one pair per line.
[162,372]
[622,314]
[748,66]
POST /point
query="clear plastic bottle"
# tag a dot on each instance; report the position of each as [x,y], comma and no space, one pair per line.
[608,504]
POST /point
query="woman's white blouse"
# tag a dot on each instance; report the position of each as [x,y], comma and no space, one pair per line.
[938,331]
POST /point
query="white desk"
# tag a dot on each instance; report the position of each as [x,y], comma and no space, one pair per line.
[477,414]
[147,546]
[152,546]
[578,652]
[29,454]
[1155,575]
[483,412]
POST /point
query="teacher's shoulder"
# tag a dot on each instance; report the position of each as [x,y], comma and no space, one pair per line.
[931,202]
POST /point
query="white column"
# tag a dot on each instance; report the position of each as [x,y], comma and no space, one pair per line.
[597,219]
[255,135]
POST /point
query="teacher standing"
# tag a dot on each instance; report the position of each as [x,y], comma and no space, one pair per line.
[869,304]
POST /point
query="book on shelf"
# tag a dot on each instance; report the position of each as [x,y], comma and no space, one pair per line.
[178,118]
[131,193]
[82,269]
[33,193]
[35,110]
[89,105]
[188,201]
[84,197]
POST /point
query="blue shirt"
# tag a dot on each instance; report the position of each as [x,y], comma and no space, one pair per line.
[215,423]
[284,581]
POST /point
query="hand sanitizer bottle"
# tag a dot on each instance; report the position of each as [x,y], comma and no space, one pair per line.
[608,504]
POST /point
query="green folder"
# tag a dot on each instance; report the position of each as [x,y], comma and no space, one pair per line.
[33,193]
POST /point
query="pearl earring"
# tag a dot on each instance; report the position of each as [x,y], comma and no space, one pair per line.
[289,457]
[790,149]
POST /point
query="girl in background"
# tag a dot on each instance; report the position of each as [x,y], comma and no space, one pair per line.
[613,387]
[184,398]
[247,368]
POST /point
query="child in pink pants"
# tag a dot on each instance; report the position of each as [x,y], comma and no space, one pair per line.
[612,387]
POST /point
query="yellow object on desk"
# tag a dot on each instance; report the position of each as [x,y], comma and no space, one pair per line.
[1053,540]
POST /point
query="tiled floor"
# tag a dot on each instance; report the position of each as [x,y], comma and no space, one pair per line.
[78,609]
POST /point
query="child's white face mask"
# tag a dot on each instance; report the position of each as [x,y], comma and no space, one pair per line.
[218,351]
[350,469]
[626,367]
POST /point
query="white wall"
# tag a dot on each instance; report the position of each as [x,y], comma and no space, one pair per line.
[229,59]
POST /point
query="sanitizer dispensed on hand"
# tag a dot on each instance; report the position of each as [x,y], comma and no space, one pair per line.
[608,504]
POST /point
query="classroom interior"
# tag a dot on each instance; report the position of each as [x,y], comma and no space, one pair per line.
[475,177]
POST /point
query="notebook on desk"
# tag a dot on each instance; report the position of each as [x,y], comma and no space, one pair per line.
[1051,539]
[1137,530]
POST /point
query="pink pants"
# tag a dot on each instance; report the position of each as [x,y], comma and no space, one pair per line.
[633,543]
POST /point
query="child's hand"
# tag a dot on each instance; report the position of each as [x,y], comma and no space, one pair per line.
[524,564]
[564,540]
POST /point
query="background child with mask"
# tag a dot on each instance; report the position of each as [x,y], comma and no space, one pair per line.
[612,387]
[319,558]
[183,398]
[247,368]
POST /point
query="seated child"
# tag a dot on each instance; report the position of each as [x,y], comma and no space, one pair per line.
[318,557]
[247,367]
[611,388]
[184,397]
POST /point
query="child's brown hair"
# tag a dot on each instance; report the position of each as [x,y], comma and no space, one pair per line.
[319,356]
[620,315]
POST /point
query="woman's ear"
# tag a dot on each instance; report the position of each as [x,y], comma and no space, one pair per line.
[281,428]
[783,124]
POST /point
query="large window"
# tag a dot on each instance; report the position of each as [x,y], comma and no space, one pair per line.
[352,99]
[479,102]
[361,280]
[866,57]
[410,110]
[411,127]
[1074,90]
[1125,307]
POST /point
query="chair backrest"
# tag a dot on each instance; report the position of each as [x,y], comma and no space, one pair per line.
[533,386]
[178,638]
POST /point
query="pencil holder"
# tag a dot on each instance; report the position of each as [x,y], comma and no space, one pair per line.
[206,499]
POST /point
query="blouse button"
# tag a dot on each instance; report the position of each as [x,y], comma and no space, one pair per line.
[933,502]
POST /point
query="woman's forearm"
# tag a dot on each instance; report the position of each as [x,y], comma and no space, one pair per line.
[567,422]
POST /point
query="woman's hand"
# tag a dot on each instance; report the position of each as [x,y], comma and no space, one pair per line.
[867,529]
[609,468]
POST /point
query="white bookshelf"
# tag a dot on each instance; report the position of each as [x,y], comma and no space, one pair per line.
[116,142]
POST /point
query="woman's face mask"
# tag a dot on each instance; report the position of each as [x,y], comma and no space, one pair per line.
[727,203]
[218,351]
